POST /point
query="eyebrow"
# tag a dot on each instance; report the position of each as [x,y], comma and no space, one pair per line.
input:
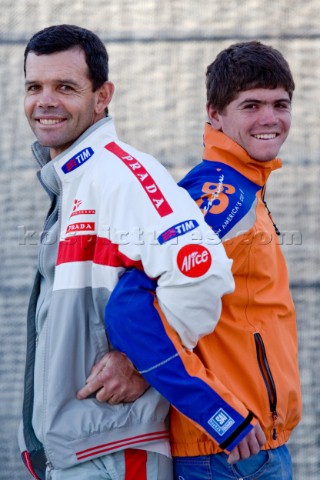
[67,81]
[255,100]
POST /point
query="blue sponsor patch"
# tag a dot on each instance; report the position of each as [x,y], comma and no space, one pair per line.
[177,230]
[77,160]
[221,422]
[224,195]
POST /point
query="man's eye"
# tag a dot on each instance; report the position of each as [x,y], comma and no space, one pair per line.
[32,88]
[65,88]
[283,106]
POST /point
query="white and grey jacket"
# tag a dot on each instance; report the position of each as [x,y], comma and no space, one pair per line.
[118,207]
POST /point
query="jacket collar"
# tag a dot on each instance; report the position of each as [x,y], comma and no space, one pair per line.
[220,148]
[42,154]
[50,174]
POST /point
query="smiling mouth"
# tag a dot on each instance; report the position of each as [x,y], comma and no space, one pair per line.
[265,136]
[49,121]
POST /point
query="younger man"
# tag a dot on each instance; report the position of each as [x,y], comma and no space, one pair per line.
[251,357]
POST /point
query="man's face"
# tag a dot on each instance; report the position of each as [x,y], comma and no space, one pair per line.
[258,119]
[59,102]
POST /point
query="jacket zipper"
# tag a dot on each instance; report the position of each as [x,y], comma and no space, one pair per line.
[268,379]
[48,471]
[48,223]
[269,213]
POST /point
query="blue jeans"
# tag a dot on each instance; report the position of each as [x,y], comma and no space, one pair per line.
[272,464]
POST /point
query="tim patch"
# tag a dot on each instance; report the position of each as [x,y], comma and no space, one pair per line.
[77,160]
[221,422]
[177,230]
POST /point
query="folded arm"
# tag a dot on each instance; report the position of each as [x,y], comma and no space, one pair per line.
[137,327]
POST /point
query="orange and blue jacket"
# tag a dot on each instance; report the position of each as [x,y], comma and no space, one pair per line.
[247,369]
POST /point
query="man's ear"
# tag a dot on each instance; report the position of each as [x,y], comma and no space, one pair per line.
[104,96]
[214,117]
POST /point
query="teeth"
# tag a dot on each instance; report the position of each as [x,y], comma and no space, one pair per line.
[265,136]
[48,121]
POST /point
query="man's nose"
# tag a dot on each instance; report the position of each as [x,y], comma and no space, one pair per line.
[268,116]
[47,98]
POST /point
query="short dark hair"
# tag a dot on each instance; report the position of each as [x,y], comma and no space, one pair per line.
[59,38]
[243,66]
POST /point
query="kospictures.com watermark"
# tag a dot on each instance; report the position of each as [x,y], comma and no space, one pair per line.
[137,236]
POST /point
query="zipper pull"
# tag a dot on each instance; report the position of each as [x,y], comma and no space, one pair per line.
[274,431]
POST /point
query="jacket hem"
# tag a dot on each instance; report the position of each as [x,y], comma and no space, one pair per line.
[210,448]
[87,448]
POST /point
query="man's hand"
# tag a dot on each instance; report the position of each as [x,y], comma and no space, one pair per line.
[115,380]
[249,445]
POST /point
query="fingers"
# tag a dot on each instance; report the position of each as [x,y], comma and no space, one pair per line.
[246,449]
[115,380]
[260,435]
[234,456]
[103,395]
[95,380]
[97,368]
[90,388]
[250,445]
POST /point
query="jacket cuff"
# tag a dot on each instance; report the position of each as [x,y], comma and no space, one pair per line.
[238,434]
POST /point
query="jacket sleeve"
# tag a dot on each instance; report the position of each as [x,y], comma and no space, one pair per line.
[159,229]
[137,327]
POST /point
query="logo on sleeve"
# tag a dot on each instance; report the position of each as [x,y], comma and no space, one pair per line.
[194,260]
[80,227]
[177,230]
[75,209]
[77,160]
[221,422]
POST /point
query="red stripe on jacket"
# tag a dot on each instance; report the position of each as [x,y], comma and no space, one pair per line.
[83,248]
[145,179]
[122,444]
